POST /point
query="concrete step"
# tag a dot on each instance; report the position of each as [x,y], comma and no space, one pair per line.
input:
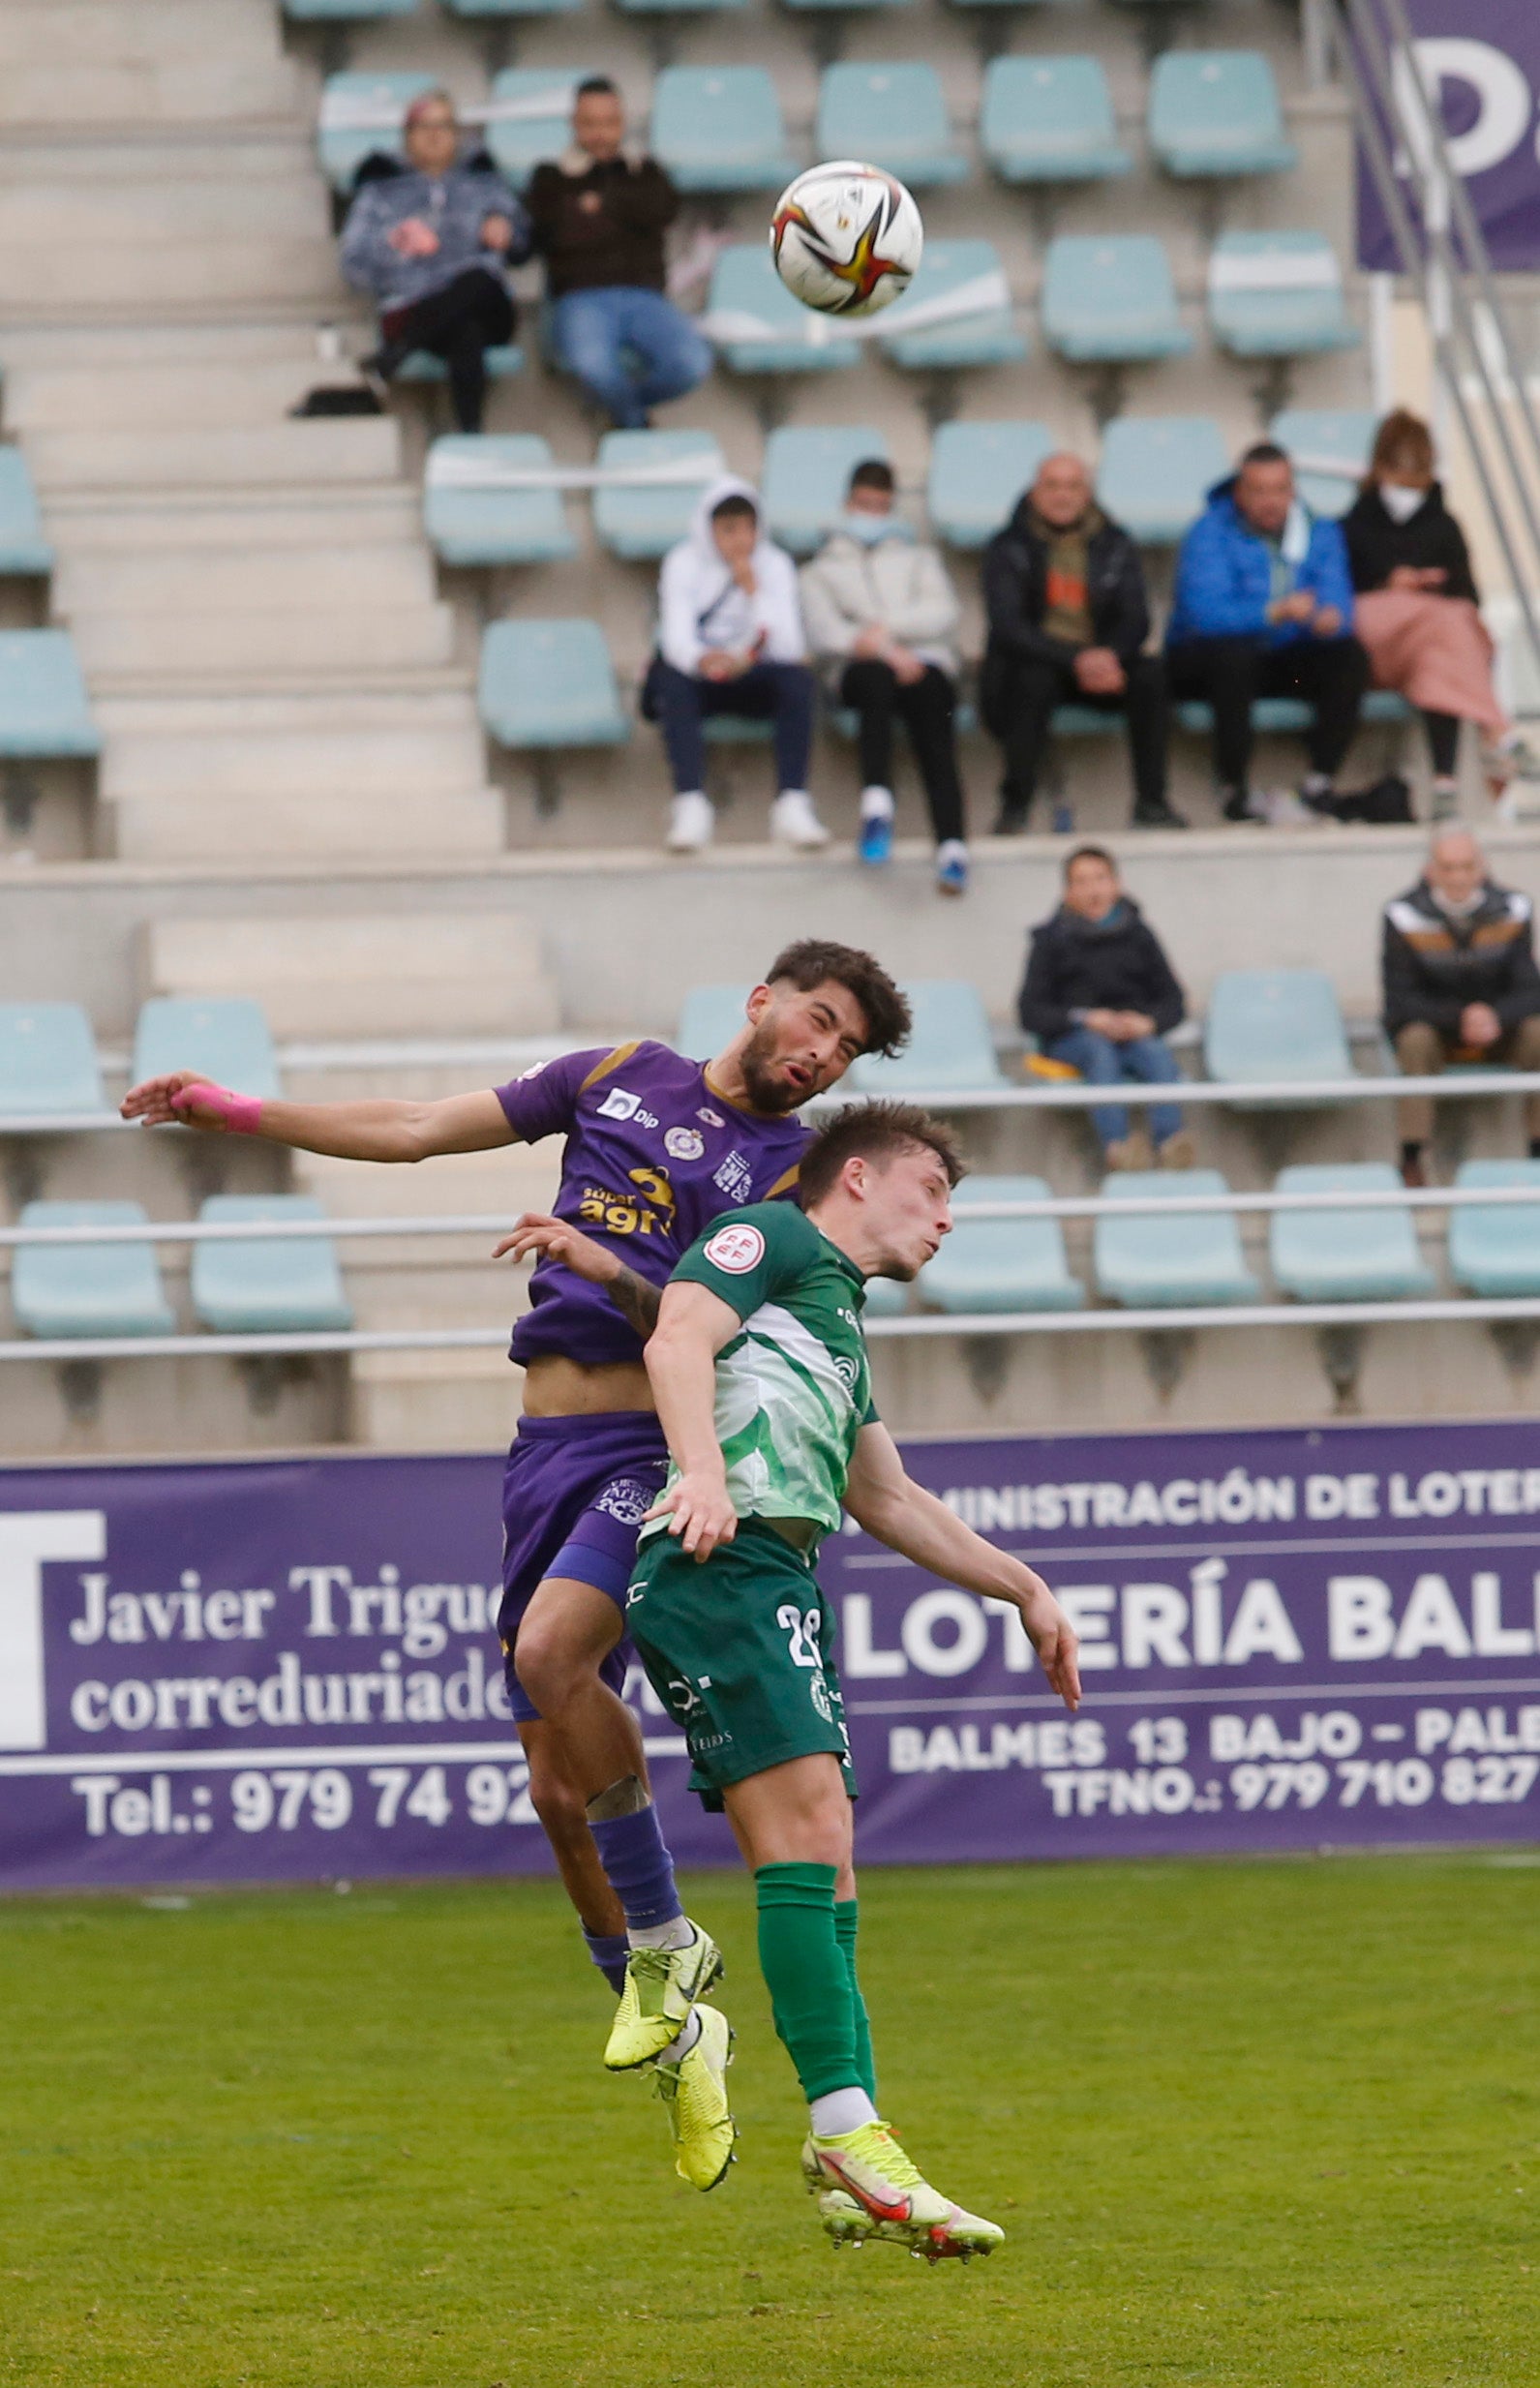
[95,32]
[410,974]
[257,391]
[205,579]
[63,274]
[434,1401]
[162,208]
[185,525]
[360,448]
[297,639]
[106,91]
[232,753]
[355,818]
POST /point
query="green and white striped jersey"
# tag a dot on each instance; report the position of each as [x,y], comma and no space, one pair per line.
[793,1389]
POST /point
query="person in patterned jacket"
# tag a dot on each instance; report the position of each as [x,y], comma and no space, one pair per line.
[1460,985]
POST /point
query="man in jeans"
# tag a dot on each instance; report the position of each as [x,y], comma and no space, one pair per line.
[1064,590]
[1263,607]
[1101,995]
[599,214]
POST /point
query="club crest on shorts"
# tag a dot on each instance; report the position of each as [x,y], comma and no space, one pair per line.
[736,1249]
[685,1143]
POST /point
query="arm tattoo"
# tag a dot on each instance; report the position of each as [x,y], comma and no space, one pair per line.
[636,1300]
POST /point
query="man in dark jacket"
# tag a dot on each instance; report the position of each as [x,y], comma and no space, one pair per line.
[1101,995]
[1064,590]
[599,215]
[1460,984]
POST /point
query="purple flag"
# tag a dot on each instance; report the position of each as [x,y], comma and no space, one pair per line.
[1482,58]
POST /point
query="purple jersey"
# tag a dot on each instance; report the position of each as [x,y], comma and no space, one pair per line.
[654,1154]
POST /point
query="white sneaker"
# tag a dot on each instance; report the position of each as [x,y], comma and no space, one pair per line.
[794,823]
[691,823]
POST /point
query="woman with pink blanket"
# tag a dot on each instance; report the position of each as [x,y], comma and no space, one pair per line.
[1417,610]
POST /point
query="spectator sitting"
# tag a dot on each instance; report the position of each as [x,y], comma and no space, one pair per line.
[1460,984]
[1064,590]
[1100,994]
[881,612]
[431,239]
[1263,607]
[1416,610]
[599,216]
[730,641]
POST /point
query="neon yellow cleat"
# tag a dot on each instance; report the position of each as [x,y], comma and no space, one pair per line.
[866,2187]
[661,1986]
[695,2093]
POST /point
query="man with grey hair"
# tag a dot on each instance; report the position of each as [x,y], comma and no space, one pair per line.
[1460,982]
[1069,614]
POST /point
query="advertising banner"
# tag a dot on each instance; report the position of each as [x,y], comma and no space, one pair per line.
[1482,57]
[261,1670]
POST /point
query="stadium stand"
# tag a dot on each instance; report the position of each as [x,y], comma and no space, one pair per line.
[476,513]
[267,1286]
[951,1048]
[978,472]
[720,129]
[49,1062]
[641,522]
[1216,113]
[893,113]
[1111,301]
[1156,470]
[23,549]
[1163,1259]
[59,1291]
[1266,1027]
[1001,1264]
[1049,120]
[806,474]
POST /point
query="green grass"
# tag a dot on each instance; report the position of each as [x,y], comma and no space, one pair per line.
[1275,2125]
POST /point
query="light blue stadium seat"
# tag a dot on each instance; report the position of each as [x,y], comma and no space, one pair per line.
[1216,111]
[1156,470]
[1290,717]
[359,114]
[272,1285]
[720,129]
[47,1060]
[805,474]
[951,1050]
[224,1037]
[642,523]
[1347,1255]
[550,684]
[1276,295]
[1152,1260]
[813,5]
[1328,435]
[676,8]
[978,472]
[23,549]
[1496,1253]
[986,334]
[885,1298]
[43,707]
[894,115]
[747,293]
[712,1018]
[484,8]
[1112,301]
[345,12]
[530,115]
[1001,1263]
[66,1289]
[1050,120]
[475,521]
[501,362]
[1274,1026]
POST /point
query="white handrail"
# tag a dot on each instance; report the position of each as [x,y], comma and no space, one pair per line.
[1273,1094]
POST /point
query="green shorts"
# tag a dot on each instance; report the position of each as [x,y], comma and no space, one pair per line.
[740,1648]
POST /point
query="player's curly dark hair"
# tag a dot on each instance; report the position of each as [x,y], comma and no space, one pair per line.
[811,960]
[873,1132]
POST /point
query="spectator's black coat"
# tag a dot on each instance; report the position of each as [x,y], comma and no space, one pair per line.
[617,246]
[1433,966]
[1431,541]
[1117,964]
[1015,599]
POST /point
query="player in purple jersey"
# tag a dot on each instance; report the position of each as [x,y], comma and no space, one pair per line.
[656,1146]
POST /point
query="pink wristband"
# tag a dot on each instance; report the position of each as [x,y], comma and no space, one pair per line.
[240,1113]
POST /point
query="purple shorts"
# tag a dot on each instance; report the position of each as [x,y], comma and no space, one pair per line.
[574,1493]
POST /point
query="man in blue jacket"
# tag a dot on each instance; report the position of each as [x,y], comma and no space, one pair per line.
[1263,607]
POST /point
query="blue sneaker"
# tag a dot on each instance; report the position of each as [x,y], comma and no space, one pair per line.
[952,867]
[875,843]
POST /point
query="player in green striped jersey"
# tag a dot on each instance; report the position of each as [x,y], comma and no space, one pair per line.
[759,1370]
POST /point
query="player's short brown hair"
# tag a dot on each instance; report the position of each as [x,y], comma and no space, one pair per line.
[813,959]
[876,1131]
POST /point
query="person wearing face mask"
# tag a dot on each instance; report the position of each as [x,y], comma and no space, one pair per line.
[430,237]
[1416,610]
[881,617]
[1460,985]
[730,641]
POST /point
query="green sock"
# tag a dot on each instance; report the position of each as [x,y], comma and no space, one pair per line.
[808,1976]
[846,1917]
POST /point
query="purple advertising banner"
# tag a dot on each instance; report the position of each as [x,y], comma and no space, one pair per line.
[260,1671]
[1483,59]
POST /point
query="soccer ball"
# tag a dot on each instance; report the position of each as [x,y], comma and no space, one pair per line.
[845,238]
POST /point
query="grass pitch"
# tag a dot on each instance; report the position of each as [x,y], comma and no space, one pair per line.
[1276,2124]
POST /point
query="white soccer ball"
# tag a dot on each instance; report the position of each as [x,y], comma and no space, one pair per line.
[845,238]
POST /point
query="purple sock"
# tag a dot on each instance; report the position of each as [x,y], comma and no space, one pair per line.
[609,1952]
[639,1869]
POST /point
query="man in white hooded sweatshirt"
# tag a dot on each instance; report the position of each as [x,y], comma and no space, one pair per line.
[730,641]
